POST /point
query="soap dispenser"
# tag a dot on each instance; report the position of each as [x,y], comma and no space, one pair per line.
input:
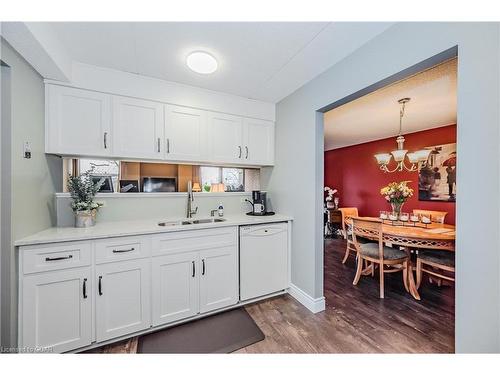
[221,210]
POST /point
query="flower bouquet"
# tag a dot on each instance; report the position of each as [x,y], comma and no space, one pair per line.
[330,201]
[397,193]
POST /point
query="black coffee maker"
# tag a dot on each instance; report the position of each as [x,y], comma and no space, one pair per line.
[258,203]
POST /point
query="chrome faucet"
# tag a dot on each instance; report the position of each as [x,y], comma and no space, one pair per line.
[190,196]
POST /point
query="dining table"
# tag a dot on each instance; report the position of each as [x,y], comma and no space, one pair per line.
[410,237]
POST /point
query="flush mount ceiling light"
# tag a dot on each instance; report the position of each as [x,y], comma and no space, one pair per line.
[399,155]
[201,62]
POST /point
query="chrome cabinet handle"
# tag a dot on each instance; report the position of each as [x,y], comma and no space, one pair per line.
[100,285]
[85,288]
[168,145]
[246,150]
[159,144]
[203,267]
[239,156]
[194,269]
[123,251]
[58,258]
[105,140]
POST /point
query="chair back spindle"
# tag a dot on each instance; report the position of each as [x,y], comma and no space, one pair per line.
[368,228]
[347,213]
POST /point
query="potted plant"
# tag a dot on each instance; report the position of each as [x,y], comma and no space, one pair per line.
[83,191]
[397,193]
[330,201]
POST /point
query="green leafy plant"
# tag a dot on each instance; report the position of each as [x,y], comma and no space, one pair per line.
[83,191]
[207,188]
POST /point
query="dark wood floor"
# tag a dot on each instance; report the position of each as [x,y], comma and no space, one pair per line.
[355,319]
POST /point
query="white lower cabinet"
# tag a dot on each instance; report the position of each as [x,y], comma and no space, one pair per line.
[200,274]
[57,309]
[175,287]
[123,295]
[74,294]
[218,278]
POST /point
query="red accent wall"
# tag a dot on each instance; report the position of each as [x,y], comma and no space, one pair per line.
[354,171]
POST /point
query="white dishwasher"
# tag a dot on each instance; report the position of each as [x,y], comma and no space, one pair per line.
[263,259]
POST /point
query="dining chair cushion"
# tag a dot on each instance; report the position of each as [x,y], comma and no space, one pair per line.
[360,240]
[370,249]
[446,258]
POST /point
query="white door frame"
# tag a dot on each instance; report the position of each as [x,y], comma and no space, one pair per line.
[5,203]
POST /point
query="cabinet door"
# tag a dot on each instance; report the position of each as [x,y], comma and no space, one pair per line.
[226,136]
[57,309]
[258,142]
[122,298]
[175,287]
[218,278]
[185,133]
[138,126]
[78,122]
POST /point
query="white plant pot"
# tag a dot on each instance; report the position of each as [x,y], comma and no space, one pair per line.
[85,219]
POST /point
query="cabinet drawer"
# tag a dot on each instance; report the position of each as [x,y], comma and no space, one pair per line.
[55,256]
[122,248]
[192,240]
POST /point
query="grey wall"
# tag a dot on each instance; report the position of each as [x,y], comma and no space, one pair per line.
[33,181]
[299,155]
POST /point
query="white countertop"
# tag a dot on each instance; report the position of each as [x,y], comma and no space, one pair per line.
[130,228]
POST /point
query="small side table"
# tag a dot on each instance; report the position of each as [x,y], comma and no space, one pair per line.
[334,221]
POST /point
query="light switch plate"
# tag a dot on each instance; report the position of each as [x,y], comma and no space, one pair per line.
[27,150]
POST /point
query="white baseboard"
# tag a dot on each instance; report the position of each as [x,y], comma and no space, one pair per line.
[315,305]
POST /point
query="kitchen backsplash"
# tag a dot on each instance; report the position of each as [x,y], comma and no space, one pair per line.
[141,207]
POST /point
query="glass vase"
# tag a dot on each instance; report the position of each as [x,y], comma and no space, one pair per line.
[397,207]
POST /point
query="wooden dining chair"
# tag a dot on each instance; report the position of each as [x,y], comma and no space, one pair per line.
[388,259]
[347,213]
[436,216]
[433,261]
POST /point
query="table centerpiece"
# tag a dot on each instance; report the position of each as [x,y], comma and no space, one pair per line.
[396,193]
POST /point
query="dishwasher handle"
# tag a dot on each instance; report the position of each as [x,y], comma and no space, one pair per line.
[262,231]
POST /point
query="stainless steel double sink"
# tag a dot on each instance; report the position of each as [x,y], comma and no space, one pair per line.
[190,222]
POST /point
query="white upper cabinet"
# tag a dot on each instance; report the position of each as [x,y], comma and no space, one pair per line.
[138,128]
[78,122]
[258,142]
[240,140]
[226,138]
[88,123]
[186,134]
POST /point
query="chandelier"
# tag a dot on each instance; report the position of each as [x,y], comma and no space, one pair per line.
[400,155]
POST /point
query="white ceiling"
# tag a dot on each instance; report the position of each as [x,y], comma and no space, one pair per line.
[259,60]
[375,116]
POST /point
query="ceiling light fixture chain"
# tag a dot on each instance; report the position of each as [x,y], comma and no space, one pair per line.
[402,103]
[400,154]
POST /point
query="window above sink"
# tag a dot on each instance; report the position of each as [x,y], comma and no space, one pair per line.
[129,176]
